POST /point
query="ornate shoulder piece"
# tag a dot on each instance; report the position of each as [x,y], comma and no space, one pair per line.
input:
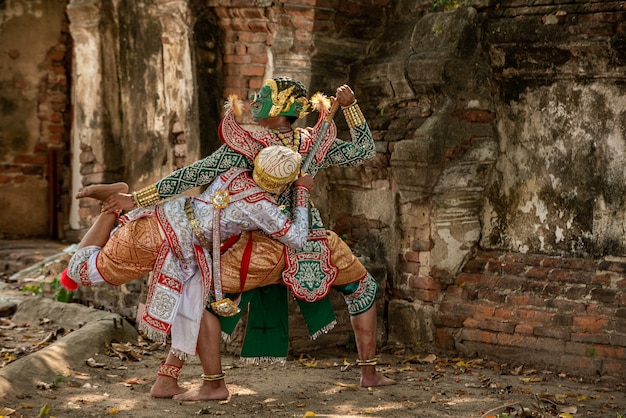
[232,133]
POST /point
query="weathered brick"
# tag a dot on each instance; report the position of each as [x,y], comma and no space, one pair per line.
[526,259]
[551,345]
[593,338]
[562,320]
[613,266]
[603,295]
[494,324]
[576,293]
[589,324]
[412,268]
[454,292]
[516,340]
[599,309]
[576,276]
[444,338]
[538,273]
[582,364]
[474,266]
[524,329]
[470,323]
[452,321]
[508,282]
[513,268]
[23,159]
[551,262]
[603,279]
[605,351]
[490,295]
[424,282]
[612,367]
[620,313]
[503,313]
[486,256]
[533,316]
[618,340]
[478,336]
[517,300]
[558,333]
[468,280]
[426,295]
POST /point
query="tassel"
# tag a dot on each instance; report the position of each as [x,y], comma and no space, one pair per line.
[66,282]
[320,102]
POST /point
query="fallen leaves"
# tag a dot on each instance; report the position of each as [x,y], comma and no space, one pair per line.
[21,340]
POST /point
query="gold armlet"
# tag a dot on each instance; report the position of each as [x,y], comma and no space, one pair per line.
[146,196]
[354,116]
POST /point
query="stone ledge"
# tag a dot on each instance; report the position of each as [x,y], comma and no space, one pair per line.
[93,329]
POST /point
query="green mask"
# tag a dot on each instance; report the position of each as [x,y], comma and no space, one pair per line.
[280,97]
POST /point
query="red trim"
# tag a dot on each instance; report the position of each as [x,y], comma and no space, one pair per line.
[245,264]
[229,243]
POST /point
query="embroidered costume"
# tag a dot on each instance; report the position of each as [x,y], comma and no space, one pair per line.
[178,241]
[325,261]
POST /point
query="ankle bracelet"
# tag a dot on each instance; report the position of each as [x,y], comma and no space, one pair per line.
[212,377]
[370,362]
[169,370]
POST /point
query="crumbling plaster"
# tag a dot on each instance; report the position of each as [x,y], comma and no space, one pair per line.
[559,175]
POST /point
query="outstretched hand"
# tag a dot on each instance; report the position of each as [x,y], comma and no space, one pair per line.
[306,181]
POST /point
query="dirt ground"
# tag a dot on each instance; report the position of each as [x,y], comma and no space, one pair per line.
[115,380]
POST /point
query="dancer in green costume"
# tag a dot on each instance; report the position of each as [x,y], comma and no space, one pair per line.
[263,275]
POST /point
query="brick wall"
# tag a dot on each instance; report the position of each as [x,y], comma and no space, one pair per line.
[36,135]
[52,112]
[562,313]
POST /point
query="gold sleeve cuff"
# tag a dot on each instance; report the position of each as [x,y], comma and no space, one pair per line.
[146,196]
[354,116]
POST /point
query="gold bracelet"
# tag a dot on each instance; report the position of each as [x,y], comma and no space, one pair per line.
[212,377]
[146,196]
[354,116]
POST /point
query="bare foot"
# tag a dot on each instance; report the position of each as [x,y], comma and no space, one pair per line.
[166,387]
[375,379]
[102,191]
[207,391]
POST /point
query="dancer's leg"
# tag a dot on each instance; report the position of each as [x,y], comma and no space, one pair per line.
[213,386]
[166,384]
[102,191]
[100,231]
[364,327]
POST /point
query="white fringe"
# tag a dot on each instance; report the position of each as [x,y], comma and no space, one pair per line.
[264,360]
[181,355]
[151,333]
[324,330]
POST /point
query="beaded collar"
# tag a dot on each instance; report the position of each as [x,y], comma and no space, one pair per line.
[288,138]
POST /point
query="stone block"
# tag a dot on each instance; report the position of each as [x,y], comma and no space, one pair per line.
[410,324]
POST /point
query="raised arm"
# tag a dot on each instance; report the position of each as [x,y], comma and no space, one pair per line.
[361,149]
[200,173]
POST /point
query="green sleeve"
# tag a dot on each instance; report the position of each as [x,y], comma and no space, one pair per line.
[201,172]
[343,153]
